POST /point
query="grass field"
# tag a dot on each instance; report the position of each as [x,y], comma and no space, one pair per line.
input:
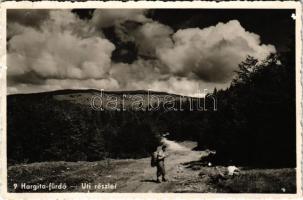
[249,181]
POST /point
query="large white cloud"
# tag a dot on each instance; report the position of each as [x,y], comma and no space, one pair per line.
[57,51]
[212,54]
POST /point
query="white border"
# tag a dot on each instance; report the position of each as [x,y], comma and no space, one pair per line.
[142,4]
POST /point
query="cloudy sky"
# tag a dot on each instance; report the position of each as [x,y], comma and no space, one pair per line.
[176,51]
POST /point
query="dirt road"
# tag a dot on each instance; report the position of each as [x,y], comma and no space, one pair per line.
[139,176]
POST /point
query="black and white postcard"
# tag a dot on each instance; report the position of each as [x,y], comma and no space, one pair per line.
[116,99]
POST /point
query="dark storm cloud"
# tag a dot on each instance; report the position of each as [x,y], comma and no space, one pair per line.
[85,14]
[27,78]
[26,18]
[32,18]
[127,50]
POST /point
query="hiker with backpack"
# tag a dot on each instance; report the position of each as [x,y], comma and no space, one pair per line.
[158,161]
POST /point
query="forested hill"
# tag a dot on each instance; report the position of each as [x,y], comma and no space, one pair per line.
[63,125]
[107,100]
[256,118]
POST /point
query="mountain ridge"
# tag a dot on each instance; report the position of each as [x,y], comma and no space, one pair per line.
[72,91]
[108,100]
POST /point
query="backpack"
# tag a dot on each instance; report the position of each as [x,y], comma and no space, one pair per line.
[153,160]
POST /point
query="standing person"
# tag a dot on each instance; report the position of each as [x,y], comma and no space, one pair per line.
[161,155]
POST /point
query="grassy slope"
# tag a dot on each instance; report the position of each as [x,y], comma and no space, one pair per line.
[249,181]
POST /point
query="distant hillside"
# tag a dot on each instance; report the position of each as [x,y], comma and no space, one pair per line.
[110,99]
[61,125]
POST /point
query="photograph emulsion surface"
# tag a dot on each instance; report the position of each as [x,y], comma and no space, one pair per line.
[151,100]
